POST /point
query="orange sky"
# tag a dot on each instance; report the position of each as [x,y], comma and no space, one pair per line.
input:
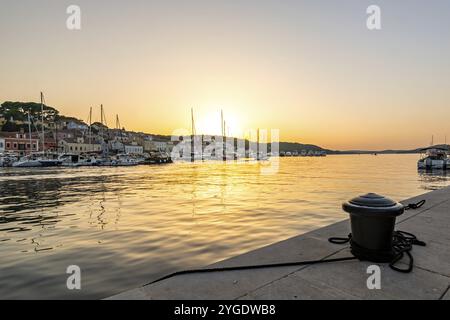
[309,68]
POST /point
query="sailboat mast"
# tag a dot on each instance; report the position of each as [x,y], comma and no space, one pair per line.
[101,119]
[42,122]
[192,122]
[257,145]
[221,120]
[90,129]
[29,131]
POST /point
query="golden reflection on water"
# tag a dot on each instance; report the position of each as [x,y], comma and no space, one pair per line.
[126,226]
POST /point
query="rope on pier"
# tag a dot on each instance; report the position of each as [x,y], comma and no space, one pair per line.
[402,244]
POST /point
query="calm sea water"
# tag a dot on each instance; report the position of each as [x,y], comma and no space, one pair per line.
[126,226]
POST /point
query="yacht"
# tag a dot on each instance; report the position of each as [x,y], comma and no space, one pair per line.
[76,160]
[7,159]
[29,161]
[123,159]
[434,158]
[49,160]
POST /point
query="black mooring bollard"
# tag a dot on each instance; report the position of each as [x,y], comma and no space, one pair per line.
[372,219]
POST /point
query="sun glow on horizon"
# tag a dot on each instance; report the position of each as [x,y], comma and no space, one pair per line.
[209,123]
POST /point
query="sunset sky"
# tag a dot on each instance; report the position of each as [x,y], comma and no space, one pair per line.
[309,68]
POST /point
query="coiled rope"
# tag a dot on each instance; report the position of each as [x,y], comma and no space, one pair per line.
[402,244]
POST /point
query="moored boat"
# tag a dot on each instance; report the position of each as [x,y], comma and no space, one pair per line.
[7,159]
[76,160]
[124,160]
[29,161]
[435,158]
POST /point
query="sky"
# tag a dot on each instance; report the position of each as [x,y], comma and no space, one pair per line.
[311,69]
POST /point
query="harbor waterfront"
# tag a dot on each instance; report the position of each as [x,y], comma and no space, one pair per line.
[124,226]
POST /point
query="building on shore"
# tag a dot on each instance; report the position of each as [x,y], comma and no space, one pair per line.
[133,149]
[71,123]
[78,145]
[19,143]
[154,146]
[116,146]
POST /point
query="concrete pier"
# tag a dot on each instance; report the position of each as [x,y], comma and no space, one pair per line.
[430,278]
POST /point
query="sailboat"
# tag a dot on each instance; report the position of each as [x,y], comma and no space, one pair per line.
[435,157]
[37,160]
[30,160]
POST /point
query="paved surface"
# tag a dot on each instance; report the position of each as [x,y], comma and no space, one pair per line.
[430,278]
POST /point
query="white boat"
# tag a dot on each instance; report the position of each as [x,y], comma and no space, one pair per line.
[27,162]
[37,159]
[7,159]
[76,160]
[435,158]
[124,160]
[49,159]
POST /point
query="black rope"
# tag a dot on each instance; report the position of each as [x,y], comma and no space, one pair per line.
[402,244]
[415,205]
[261,266]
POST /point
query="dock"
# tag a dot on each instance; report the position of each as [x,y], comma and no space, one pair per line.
[429,280]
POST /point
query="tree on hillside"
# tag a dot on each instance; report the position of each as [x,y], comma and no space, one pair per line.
[10,127]
[19,111]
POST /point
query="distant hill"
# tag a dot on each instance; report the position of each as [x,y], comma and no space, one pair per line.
[391,151]
[294,146]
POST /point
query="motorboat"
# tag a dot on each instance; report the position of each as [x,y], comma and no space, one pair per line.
[123,160]
[434,158]
[77,160]
[7,159]
[30,161]
[49,160]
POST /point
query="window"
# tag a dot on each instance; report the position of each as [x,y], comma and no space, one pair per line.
[34,146]
[8,145]
[1,145]
[71,148]
[15,145]
[28,146]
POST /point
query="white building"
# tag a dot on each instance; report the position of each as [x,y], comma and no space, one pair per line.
[160,145]
[2,145]
[75,125]
[134,149]
[78,145]
[116,146]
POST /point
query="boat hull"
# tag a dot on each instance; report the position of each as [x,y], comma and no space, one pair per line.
[27,164]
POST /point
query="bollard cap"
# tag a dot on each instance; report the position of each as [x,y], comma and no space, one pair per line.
[373,204]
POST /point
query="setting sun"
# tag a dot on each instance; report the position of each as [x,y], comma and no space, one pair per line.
[209,123]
